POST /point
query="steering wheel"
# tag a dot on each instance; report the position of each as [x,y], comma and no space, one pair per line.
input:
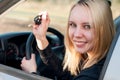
[31,39]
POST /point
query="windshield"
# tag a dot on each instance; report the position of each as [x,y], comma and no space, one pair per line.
[21,16]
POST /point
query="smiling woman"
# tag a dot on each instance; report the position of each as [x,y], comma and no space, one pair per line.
[85,38]
[86,44]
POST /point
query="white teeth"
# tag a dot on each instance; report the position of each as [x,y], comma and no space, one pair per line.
[80,42]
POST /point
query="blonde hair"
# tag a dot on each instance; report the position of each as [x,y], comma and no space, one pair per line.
[102,21]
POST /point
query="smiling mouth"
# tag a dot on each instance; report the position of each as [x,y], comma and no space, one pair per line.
[80,43]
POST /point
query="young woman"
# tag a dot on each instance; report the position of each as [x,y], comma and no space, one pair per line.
[88,37]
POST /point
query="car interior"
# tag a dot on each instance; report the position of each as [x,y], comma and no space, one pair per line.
[14,46]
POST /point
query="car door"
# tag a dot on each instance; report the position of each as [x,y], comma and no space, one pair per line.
[111,67]
[9,73]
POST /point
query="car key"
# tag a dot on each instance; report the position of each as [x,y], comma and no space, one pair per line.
[38,19]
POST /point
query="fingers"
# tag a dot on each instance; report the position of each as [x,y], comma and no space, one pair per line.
[25,64]
[24,59]
[22,63]
[40,30]
[32,56]
[45,19]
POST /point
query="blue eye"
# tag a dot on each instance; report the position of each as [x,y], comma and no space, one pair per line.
[87,26]
[72,25]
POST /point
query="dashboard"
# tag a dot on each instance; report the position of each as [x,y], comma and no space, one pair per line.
[12,47]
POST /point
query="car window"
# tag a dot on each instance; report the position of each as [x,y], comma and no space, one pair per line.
[21,16]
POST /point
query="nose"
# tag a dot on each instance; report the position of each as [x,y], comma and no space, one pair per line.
[78,32]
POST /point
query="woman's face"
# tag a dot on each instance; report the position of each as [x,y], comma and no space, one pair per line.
[81,33]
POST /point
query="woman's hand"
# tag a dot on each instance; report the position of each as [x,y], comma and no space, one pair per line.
[40,31]
[29,65]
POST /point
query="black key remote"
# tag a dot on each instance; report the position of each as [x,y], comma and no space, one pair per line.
[38,19]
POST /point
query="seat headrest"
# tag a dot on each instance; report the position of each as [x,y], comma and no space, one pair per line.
[117,22]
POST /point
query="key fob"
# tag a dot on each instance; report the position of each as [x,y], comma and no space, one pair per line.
[38,19]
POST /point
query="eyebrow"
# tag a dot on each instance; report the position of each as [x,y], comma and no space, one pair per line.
[84,23]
